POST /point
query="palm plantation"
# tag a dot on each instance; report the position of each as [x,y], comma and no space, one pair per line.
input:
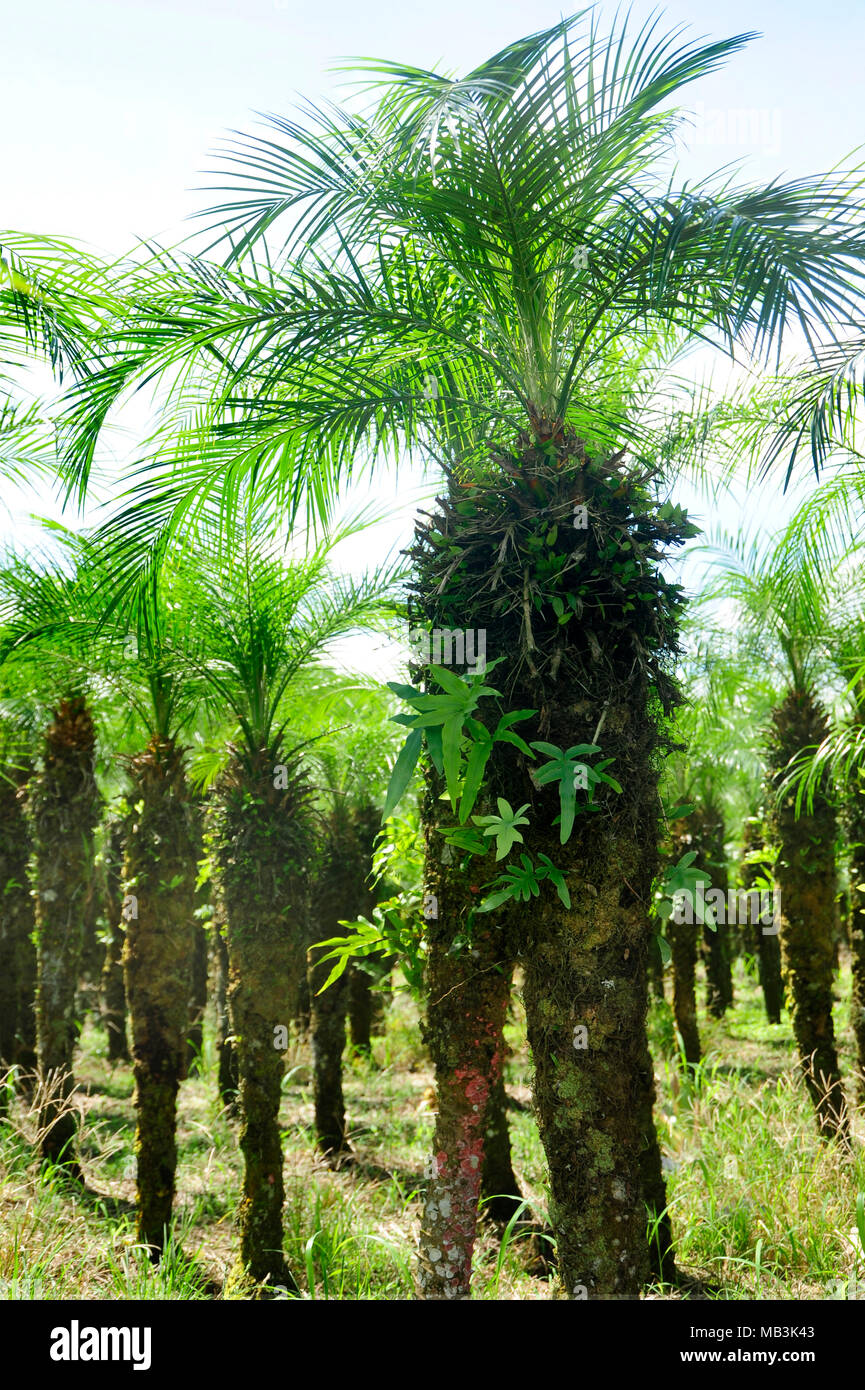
[494,277]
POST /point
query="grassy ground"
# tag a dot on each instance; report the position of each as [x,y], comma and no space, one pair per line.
[761,1208]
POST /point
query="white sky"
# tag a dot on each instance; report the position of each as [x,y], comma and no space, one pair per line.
[111,110]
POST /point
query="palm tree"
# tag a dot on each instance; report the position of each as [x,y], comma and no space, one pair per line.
[63,804]
[263,622]
[144,655]
[783,605]
[481,269]
[840,757]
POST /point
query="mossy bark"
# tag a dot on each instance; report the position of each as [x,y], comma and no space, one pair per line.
[360,1009]
[87,1000]
[506,556]
[343,893]
[764,938]
[328,1043]
[198,977]
[805,875]
[683,943]
[263,845]
[655,968]
[855,827]
[17,951]
[707,838]
[113,982]
[586,1002]
[63,806]
[159,877]
[226,1052]
[197,997]
[467,991]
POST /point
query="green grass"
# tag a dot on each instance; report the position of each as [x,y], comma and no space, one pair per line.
[761,1207]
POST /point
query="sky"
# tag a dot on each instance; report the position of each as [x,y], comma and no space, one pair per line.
[112,111]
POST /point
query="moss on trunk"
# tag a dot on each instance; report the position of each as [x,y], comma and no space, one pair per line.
[17,951]
[467,992]
[227,1078]
[113,983]
[159,877]
[343,893]
[328,1043]
[587,626]
[197,997]
[360,1009]
[63,805]
[198,977]
[805,874]
[683,943]
[855,827]
[262,843]
[766,945]
[706,824]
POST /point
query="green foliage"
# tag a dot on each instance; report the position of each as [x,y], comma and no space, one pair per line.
[504,826]
[458,744]
[563,768]
[394,931]
[520,882]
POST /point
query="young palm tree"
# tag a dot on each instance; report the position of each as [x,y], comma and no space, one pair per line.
[264,622]
[478,269]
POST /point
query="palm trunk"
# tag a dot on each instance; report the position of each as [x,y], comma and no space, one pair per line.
[92,955]
[343,893]
[17,952]
[227,1078]
[683,943]
[262,846]
[492,559]
[855,827]
[805,873]
[198,976]
[766,944]
[467,1003]
[327,1025]
[197,997]
[113,983]
[360,1009]
[707,824]
[655,969]
[159,874]
[63,803]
